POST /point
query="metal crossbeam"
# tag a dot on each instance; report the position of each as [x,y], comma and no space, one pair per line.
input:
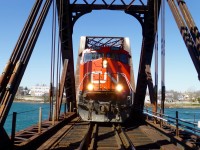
[104,41]
[146,56]
[110,3]
[135,8]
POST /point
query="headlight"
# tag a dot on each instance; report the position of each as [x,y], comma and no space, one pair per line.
[119,87]
[90,87]
[105,63]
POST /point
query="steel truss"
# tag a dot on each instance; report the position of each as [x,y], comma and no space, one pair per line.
[68,13]
[143,11]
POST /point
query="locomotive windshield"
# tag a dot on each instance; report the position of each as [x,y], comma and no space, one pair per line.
[92,56]
[118,57]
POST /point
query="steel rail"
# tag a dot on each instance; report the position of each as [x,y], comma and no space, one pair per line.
[86,138]
[128,144]
[124,138]
[56,138]
[93,137]
[73,138]
[98,134]
[118,138]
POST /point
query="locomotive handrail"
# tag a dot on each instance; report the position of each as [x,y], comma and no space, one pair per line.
[129,84]
[83,79]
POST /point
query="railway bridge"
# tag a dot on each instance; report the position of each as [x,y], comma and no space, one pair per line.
[144,129]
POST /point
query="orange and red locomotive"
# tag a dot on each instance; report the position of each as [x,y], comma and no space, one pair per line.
[105,92]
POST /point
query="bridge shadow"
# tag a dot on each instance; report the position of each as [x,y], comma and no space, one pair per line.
[133,127]
[133,122]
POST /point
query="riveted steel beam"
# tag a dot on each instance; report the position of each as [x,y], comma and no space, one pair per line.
[146,56]
[65,33]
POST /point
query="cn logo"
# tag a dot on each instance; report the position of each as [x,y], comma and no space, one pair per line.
[98,81]
[99,74]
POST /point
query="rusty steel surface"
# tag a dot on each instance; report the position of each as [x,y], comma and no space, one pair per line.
[86,135]
[184,139]
[65,33]
[31,138]
[144,73]
[20,62]
[73,133]
[190,35]
[82,135]
[61,89]
[72,138]
[107,136]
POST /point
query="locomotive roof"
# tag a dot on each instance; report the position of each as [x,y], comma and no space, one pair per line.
[92,42]
[95,42]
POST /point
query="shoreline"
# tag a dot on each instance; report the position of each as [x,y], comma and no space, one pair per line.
[29,101]
[180,105]
[146,105]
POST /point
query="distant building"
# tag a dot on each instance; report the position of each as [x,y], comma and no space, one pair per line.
[22,91]
[39,90]
[186,97]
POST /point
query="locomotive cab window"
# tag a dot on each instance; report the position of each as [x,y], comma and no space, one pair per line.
[119,57]
[113,56]
[123,58]
[92,56]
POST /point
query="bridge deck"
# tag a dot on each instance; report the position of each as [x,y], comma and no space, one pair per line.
[72,133]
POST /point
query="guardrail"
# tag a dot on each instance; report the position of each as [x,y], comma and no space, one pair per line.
[175,122]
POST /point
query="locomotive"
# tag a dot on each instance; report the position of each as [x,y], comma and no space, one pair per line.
[104,79]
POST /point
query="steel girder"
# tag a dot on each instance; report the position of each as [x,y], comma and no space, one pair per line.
[144,72]
[188,31]
[61,89]
[71,11]
[21,56]
[65,32]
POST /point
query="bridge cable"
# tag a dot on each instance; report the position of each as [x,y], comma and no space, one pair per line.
[52,62]
[162,54]
[61,12]
[58,68]
[156,55]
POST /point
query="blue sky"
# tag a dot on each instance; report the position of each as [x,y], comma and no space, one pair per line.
[180,72]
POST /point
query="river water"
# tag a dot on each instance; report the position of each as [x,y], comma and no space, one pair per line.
[27,114]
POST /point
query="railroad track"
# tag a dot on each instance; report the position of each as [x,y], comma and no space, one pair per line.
[92,136]
[81,135]
[105,137]
[72,138]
